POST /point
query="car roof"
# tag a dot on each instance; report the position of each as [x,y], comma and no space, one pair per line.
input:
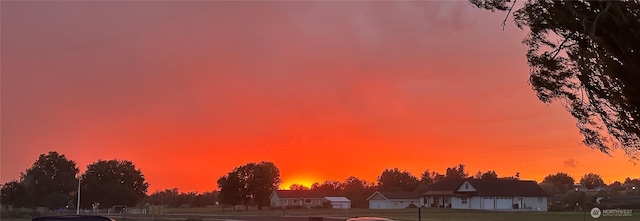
[72,218]
[369,218]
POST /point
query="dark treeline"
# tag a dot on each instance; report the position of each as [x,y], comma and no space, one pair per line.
[52,182]
[172,198]
[358,190]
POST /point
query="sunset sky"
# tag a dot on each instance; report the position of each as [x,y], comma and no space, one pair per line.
[326,90]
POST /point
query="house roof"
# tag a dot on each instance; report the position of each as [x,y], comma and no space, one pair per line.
[439,193]
[338,199]
[397,194]
[444,187]
[502,187]
[296,194]
[446,184]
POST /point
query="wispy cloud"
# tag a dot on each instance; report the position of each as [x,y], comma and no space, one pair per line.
[571,163]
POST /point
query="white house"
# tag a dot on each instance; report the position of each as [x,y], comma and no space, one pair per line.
[339,202]
[394,200]
[491,194]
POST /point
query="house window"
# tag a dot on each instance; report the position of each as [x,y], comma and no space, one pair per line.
[539,199]
[286,202]
[464,200]
[307,201]
[317,201]
[295,201]
[466,186]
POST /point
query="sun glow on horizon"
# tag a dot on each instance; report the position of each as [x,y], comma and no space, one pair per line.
[304,181]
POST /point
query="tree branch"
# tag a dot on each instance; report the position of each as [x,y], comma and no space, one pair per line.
[504,22]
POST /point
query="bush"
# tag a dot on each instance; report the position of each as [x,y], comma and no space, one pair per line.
[558,207]
[19,214]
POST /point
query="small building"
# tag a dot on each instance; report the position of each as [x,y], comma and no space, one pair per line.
[339,202]
[394,200]
[296,199]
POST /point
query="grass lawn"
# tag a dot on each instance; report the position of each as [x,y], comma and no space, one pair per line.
[412,214]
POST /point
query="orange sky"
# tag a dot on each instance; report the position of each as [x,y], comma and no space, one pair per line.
[325,90]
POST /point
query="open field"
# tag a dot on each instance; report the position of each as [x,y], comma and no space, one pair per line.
[405,214]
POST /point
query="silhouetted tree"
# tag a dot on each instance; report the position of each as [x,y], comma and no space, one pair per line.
[328,188]
[437,177]
[585,55]
[486,175]
[396,180]
[561,181]
[167,197]
[296,186]
[51,180]
[206,199]
[514,177]
[358,191]
[456,172]
[173,198]
[14,193]
[261,180]
[632,182]
[592,180]
[112,182]
[575,198]
[254,182]
[427,177]
[231,187]
[616,186]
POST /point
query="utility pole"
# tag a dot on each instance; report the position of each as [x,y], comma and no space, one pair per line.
[78,206]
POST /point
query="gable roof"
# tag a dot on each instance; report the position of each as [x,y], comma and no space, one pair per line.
[338,199]
[447,184]
[397,195]
[444,187]
[296,194]
[502,187]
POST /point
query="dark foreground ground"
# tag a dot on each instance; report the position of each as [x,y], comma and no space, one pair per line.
[203,217]
[207,214]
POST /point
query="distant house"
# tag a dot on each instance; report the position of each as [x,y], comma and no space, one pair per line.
[296,198]
[306,199]
[592,192]
[394,200]
[339,202]
[489,194]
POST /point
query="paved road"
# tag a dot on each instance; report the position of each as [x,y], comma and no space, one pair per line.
[218,218]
